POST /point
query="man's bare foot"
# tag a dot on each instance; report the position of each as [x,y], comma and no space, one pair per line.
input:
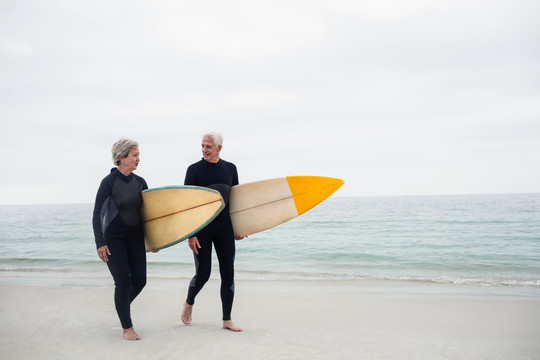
[130,334]
[186,313]
[228,324]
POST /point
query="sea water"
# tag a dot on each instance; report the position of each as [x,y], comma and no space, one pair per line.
[487,240]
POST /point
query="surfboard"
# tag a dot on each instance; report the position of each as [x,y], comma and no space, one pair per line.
[172,214]
[261,205]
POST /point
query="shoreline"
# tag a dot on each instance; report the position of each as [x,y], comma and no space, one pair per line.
[382,287]
[358,319]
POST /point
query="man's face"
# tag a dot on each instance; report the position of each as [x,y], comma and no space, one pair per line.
[209,150]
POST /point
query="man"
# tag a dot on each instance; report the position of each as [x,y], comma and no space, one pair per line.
[216,173]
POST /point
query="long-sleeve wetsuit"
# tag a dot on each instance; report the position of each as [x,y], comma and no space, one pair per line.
[117,223]
[220,176]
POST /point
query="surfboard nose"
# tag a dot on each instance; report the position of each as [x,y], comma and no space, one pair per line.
[308,191]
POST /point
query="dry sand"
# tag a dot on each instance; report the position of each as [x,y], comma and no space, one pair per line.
[281,320]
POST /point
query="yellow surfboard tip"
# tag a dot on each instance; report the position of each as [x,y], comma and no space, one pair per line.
[308,191]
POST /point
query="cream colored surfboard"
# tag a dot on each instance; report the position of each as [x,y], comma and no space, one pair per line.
[171,214]
[261,205]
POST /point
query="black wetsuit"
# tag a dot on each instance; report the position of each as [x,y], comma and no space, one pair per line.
[118,224]
[220,176]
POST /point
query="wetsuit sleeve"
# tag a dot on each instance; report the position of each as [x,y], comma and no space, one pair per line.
[190,176]
[235,176]
[103,194]
[144,184]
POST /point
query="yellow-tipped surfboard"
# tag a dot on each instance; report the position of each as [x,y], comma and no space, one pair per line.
[261,205]
[171,214]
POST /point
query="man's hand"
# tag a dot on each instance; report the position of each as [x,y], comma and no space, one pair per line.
[194,245]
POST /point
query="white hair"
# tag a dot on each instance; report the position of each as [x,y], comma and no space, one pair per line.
[215,136]
[122,148]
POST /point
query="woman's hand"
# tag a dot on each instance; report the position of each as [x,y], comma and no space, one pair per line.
[103,253]
[239,237]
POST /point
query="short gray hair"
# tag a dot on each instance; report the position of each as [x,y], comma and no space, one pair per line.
[215,136]
[122,148]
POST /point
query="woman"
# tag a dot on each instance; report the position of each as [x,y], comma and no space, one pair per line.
[118,229]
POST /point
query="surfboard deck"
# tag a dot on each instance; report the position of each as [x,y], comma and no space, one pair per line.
[261,205]
[172,214]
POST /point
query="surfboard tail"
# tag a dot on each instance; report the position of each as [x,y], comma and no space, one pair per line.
[173,213]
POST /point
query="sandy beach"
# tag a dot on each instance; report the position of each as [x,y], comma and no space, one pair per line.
[281,320]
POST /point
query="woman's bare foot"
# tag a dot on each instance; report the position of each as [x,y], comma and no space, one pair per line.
[186,313]
[228,324]
[130,334]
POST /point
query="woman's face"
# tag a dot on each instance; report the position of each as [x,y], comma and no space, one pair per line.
[130,162]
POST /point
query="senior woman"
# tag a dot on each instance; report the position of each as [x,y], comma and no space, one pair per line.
[118,230]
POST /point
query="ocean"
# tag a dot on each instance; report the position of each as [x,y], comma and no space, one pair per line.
[485,240]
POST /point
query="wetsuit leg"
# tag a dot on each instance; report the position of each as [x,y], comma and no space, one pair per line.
[137,265]
[127,264]
[225,250]
[203,267]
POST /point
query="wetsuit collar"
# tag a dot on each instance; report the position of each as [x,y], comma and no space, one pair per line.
[212,163]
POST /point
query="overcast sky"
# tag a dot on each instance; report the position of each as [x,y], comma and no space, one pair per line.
[395,97]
